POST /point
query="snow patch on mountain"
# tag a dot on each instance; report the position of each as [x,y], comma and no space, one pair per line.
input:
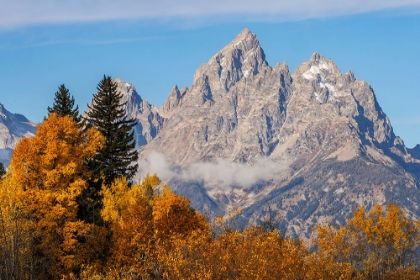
[13,127]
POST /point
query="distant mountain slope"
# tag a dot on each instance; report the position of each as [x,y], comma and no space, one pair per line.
[149,121]
[13,127]
[309,146]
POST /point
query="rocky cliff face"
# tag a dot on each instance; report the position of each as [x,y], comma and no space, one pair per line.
[309,146]
[13,127]
[149,121]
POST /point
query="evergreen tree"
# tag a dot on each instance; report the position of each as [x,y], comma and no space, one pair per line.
[2,170]
[64,104]
[107,114]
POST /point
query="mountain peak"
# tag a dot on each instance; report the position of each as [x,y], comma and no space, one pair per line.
[245,41]
[13,127]
[245,34]
[316,57]
[241,58]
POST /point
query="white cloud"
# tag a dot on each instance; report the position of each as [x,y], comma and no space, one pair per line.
[27,12]
[222,174]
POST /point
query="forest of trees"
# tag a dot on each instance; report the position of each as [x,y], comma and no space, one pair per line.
[146,231]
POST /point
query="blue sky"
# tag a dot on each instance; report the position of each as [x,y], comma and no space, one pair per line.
[157,44]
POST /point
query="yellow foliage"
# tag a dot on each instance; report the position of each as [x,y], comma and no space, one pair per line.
[151,232]
[129,216]
[50,172]
[145,220]
[14,234]
[371,243]
[172,214]
[54,159]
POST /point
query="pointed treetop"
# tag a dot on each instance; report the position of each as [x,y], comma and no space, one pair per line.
[64,104]
[108,114]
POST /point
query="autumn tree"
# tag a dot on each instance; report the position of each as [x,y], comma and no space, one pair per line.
[50,168]
[14,235]
[107,113]
[145,221]
[374,243]
[64,104]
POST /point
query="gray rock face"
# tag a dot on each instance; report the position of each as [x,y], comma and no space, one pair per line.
[226,108]
[13,127]
[149,121]
[308,147]
[318,138]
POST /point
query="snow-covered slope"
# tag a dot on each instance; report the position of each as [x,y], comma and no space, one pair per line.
[13,127]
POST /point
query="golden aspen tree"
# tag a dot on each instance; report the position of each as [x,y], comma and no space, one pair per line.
[172,215]
[50,168]
[14,237]
[146,221]
[180,235]
[373,243]
[129,216]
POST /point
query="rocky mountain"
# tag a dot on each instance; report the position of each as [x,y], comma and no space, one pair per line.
[305,148]
[308,147]
[13,127]
[149,121]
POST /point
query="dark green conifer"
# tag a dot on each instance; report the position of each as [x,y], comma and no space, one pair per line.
[2,170]
[107,113]
[64,104]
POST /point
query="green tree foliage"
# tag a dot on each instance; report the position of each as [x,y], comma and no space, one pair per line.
[107,114]
[64,104]
[2,170]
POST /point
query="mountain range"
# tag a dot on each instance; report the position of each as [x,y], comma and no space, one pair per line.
[13,127]
[305,148]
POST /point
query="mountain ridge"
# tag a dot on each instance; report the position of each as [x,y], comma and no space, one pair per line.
[308,147]
[13,127]
[317,125]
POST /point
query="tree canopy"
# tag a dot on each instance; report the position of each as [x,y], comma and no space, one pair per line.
[50,172]
[107,113]
[2,170]
[64,104]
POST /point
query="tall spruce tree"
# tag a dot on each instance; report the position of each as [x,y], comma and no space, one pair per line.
[107,113]
[2,170]
[64,104]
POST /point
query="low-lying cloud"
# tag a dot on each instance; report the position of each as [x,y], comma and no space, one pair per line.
[221,174]
[29,12]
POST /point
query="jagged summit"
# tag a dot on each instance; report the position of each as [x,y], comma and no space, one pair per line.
[173,101]
[244,34]
[317,67]
[242,59]
[327,146]
[310,146]
[316,57]
[149,121]
[245,41]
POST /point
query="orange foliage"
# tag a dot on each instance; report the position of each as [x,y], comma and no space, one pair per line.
[153,233]
[145,221]
[371,244]
[129,216]
[50,170]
